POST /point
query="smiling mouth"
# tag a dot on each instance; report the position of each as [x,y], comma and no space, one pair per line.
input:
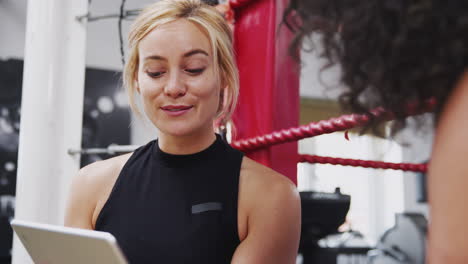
[176,108]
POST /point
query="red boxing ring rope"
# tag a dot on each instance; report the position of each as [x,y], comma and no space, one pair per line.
[363,163]
[313,129]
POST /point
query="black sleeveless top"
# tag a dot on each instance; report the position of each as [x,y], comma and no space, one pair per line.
[168,208]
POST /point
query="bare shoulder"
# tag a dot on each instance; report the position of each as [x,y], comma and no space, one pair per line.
[102,171]
[261,178]
[459,97]
[447,180]
[269,216]
[262,187]
[91,179]
[89,188]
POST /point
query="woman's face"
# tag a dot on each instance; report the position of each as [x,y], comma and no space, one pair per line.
[176,79]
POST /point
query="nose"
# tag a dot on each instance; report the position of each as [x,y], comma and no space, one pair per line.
[175,86]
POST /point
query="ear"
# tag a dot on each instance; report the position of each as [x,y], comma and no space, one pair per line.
[137,87]
[221,98]
[223,82]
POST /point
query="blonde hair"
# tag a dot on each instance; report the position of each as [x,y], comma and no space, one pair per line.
[219,34]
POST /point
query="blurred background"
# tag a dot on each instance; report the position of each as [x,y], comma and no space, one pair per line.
[375,195]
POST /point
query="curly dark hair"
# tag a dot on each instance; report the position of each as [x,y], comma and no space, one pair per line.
[391,52]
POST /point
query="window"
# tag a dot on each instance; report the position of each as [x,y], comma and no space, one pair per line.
[376,195]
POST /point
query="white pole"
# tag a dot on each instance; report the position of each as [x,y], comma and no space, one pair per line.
[51,111]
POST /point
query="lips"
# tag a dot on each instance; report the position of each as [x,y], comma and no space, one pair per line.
[176,110]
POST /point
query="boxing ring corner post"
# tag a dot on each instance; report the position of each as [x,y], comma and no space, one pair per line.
[51,111]
[269,80]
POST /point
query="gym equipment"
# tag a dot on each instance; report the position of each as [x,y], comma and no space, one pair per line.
[403,243]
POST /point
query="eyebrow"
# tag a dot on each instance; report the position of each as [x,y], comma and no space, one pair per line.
[195,51]
[187,54]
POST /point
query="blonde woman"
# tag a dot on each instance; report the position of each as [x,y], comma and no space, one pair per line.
[187,197]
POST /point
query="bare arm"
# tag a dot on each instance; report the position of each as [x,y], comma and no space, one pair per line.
[448,182]
[90,190]
[273,224]
[81,202]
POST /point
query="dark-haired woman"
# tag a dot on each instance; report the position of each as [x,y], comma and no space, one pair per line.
[393,52]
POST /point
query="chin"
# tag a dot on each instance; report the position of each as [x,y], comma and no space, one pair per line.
[179,130]
[184,127]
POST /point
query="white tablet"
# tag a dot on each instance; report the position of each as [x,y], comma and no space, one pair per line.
[58,245]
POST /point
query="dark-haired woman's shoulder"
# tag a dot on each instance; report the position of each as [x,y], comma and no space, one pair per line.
[448,181]
[89,190]
[269,214]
